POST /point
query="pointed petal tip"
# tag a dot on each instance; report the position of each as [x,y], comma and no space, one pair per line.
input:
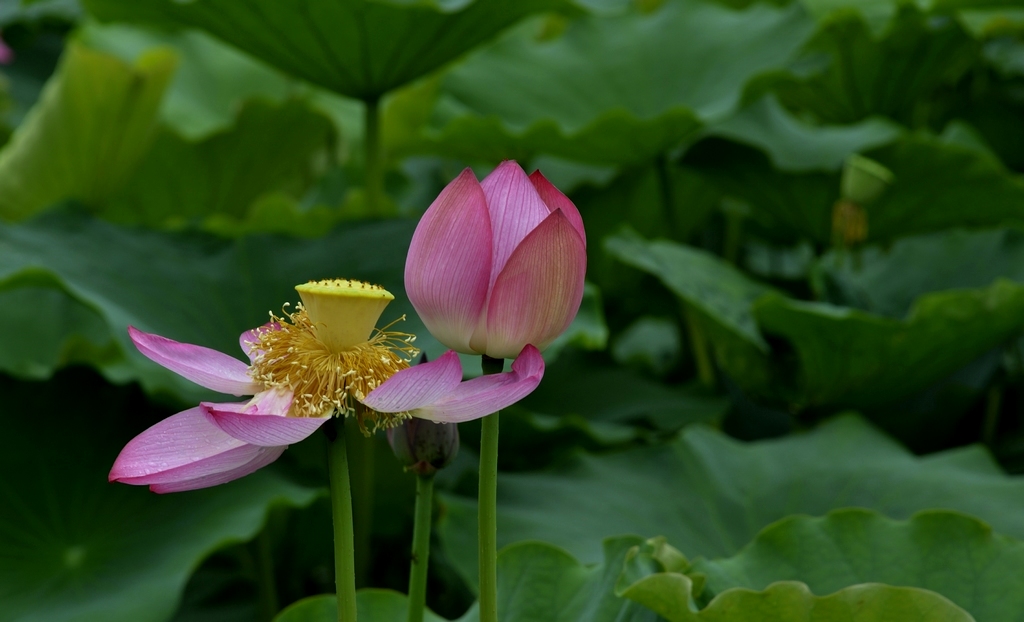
[556,200]
[539,292]
[530,361]
[204,366]
[484,395]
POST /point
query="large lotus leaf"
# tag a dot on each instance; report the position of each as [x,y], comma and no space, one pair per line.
[611,89]
[851,358]
[896,74]
[53,329]
[946,552]
[541,583]
[76,547]
[270,149]
[372,605]
[580,386]
[710,495]
[720,295]
[793,602]
[655,200]
[977,190]
[536,583]
[359,48]
[212,82]
[796,146]
[32,10]
[196,288]
[89,130]
[717,289]
[975,14]
[887,280]
[669,594]
[786,207]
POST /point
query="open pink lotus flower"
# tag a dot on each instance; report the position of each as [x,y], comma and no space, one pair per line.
[498,264]
[215,443]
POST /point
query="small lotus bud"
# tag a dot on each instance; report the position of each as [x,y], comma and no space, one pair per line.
[863,180]
[424,447]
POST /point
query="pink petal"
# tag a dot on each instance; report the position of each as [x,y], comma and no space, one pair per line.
[555,200]
[515,208]
[251,338]
[484,395]
[538,293]
[203,366]
[186,439]
[417,386]
[263,457]
[262,421]
[448,269]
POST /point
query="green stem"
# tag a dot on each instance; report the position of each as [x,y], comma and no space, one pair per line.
[699,345]
[341,507]
[992,407]
[374,165]
[661,166]
[268,584]
[420,548]
[733,235]
[361,451]
[488,501]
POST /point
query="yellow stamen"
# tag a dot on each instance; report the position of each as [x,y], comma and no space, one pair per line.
[334,357]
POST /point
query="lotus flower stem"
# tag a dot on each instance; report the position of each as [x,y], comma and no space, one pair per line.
[362,450]
[699,345]
[269,602]
[374,165]
[992,406]
[341,508]
[420,547]
[488,500]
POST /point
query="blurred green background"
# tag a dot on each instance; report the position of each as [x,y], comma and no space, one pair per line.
[805,226]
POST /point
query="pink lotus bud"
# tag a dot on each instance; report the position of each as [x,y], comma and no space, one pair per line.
[497,265]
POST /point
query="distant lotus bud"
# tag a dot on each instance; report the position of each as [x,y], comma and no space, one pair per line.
[424,447]
[849,224]
[863,180]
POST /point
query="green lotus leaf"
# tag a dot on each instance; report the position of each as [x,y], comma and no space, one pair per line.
[212,82]
[791,185]
[848,72]
[709,495]
[796,146]
[720,295]
[610,89]
[541,583]
[844,356]
[358,48]
[269,151]
[946,552]
[190,287]
[371,605]
[74,546]
[93,124]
